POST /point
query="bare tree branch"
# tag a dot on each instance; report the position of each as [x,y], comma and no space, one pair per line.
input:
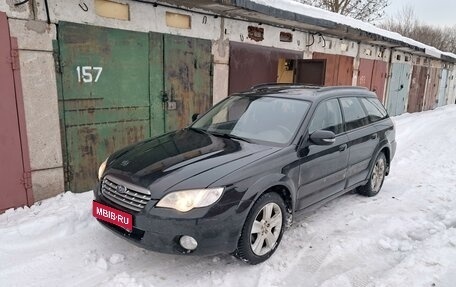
[406,24]
[365,10]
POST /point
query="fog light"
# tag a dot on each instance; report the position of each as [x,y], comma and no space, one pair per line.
[188,242]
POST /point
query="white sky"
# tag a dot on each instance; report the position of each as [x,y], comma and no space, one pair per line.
[434,12]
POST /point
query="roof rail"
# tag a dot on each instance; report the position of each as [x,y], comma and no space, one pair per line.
[324,89]
[282,85]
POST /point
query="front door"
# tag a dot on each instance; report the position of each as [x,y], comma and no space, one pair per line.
[322,171]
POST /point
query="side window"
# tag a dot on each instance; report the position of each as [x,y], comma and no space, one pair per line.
[354,114]
[379,106]
[373,111]
[327,117]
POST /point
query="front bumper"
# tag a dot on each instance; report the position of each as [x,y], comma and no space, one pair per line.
[216,229]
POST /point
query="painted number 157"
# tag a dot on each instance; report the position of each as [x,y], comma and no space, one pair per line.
[88,74]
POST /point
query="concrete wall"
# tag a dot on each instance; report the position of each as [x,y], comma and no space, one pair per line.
[40,100]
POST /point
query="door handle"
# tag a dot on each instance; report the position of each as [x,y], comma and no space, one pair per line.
[373,137]
[342,147]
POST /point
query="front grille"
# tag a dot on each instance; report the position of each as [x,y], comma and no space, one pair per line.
[125,194]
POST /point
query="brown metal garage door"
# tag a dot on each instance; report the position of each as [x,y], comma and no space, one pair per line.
[251,65]
[15,190]
[372,75]
[339,69]
[379,78]
[417,89]
[430,99]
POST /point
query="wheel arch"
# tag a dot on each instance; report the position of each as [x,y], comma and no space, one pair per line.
[385,148]
[278,183]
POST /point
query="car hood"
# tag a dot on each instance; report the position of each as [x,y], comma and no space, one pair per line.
[165,161]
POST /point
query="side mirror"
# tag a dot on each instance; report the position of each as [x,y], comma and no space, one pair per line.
[195,117]
[322,137]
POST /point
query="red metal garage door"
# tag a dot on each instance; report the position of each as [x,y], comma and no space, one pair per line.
[339,69]
[252,65]
[365,71]
[372,75]
[378,79]
[16,187]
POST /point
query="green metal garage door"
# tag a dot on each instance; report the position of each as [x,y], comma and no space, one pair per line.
[112,86]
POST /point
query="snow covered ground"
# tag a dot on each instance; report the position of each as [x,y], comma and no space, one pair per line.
[406,236]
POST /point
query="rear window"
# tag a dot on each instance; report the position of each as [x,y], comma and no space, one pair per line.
[374,108]
[354,114]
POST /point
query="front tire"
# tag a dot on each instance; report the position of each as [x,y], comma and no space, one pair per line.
[377,177]
[263,229]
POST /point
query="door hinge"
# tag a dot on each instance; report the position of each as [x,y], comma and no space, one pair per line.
[15,65]
[57,63]
[27,179]
[68,173]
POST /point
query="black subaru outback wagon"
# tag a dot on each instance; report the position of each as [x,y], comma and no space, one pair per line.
[233,179]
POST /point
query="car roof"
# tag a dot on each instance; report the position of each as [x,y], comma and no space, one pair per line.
[305,92]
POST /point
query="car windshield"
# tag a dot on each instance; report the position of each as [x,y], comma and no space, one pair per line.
[266,119]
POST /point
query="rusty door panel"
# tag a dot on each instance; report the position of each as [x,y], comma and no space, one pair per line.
[430,99]
[106,111]
[310,72]
[188,78]
[372,75]
[379,75]
[156,84]
[417,89]
[339,69]
[365,73]
[332,66]
[251,65]
[13,149]
[345,71]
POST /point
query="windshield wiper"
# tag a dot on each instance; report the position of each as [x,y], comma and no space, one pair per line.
[201,131]
[229,136]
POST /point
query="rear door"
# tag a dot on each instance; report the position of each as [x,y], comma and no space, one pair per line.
[363,139]
[323,168]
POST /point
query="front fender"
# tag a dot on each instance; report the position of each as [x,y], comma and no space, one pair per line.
[264,183]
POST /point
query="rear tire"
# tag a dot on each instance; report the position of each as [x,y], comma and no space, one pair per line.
[263,229]
[377,177]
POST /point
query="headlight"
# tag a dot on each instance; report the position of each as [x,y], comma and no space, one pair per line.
[186,200]
[101,169]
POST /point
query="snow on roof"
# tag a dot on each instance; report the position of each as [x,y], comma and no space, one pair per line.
[310,11]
